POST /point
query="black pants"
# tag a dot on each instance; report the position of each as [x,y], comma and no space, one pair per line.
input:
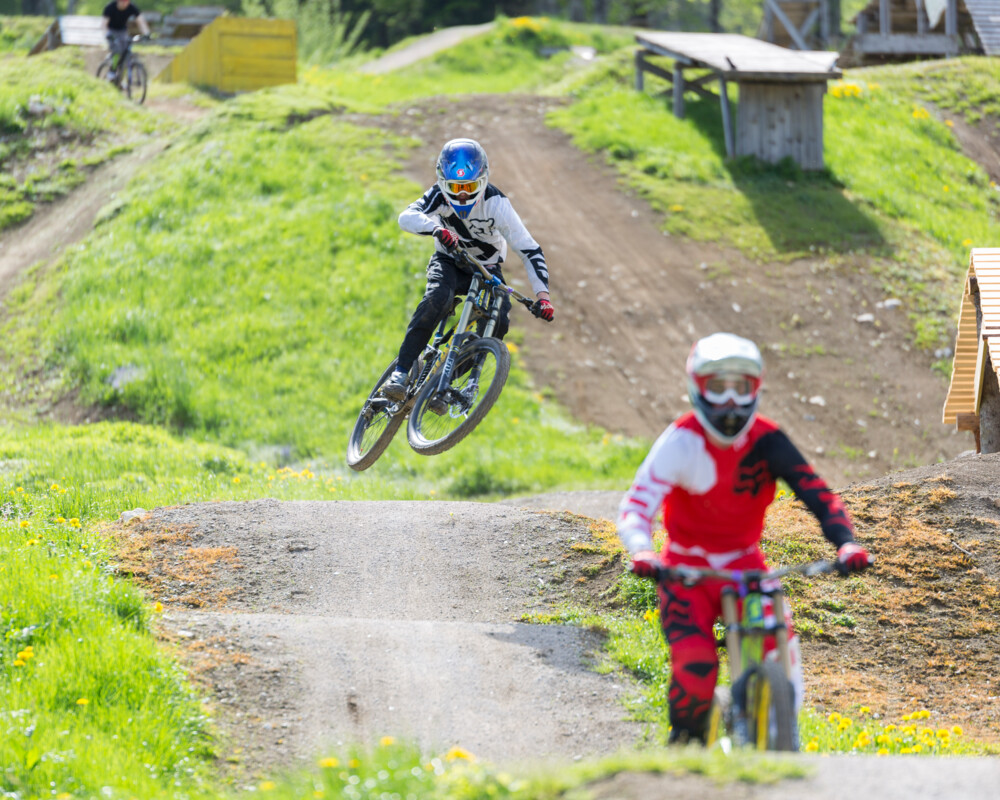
[445,280]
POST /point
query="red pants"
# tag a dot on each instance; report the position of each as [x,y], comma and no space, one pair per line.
[688,614]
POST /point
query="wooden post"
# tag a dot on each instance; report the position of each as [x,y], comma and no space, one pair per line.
[921,18]
[951,18]
[639,84]
[678,91]
[884,24]
[727,118]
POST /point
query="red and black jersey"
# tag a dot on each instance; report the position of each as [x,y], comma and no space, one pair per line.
[714,498]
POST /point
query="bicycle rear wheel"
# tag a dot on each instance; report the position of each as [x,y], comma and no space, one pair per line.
[440,420]
[376,425]
[771,719]
[135,87]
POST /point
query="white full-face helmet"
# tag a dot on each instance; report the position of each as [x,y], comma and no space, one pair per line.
[463,171]
[725,373]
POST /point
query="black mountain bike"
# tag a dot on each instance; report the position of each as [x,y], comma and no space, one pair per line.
[757,709]
[453,384]
[130,76]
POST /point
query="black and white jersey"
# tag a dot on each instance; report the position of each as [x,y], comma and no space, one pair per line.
[491,224]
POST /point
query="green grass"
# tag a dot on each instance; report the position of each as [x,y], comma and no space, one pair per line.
[506,59]
[19,34]
[55,124]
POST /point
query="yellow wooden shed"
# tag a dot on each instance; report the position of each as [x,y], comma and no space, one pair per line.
[973,401]
[234,54]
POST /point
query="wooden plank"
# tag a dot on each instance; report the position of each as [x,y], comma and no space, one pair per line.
[907,44]
[259,46]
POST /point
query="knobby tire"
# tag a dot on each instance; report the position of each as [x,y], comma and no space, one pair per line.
[770,699]
[372,432]
[136,82]
[430,433]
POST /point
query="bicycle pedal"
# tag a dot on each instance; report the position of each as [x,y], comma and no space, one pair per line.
[438,406]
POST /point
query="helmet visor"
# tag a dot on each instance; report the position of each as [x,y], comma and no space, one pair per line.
[722,388]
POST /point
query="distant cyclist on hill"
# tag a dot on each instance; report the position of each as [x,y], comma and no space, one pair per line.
[713,474]
[463,208]
[114,20]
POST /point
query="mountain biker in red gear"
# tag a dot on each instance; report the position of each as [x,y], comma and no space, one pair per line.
[713,474]
[463,208]
[114,21]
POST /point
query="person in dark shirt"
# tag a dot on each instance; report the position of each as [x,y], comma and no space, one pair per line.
[114,20]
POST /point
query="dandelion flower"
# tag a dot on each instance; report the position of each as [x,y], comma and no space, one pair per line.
[949,123]
[60,520]
[459,753]
[266,786]
[158,608]
[329,763]
[387,741]
[966,242]
[834,717]
[957,730]
[25,523]
[890,728]
[945,188]
[74,522]
[18,663]
[354,763]
[881,752]
[906,751]
[236,479]
[812,747]
[83,701]
[864,710]
[676,207]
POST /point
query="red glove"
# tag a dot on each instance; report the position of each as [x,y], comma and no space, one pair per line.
[544,309]
[446,237]
[645,563]
[853,557]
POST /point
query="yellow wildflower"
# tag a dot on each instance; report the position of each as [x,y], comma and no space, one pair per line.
[458,753]
[236,479]
[966,242]
[676,207]
[957,730]
[25,523]
[882,752]
[944,733]
[54,487]
[906,751]
[329,763]
[354,763]
[74,522]
[890,728]
[60,520]
[949,123]
[387,741]
[18,663]
[266,786]
[158,608]
[834,717]
[83,701]
[864,710]
[812,747]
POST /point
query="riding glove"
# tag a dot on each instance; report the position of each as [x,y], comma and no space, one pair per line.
[545,310]
[645,563]
[853,557]
[446,237]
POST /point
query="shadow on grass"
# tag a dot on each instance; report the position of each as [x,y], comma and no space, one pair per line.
[797,209]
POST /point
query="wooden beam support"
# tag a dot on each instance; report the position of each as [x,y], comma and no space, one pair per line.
[884,18]
[678,91]
[727,119]
[793,32]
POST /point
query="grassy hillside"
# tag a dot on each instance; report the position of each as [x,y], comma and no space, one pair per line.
[55,125]
[240,299]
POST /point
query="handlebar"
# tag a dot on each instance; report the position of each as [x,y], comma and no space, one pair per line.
[492,280]
[689,576]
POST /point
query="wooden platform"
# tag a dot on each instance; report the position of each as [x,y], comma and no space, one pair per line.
[977,343]
[780,107]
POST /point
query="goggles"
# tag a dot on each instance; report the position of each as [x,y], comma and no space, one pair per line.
[457,187]
[719,389]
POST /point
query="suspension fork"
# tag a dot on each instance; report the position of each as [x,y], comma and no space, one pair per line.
[458,338]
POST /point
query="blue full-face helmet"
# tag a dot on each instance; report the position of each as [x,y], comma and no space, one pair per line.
[463,170]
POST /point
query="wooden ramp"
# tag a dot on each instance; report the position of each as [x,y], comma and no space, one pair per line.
[238,55]
[977,346]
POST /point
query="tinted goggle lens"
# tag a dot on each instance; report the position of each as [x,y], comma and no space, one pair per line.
[457,187]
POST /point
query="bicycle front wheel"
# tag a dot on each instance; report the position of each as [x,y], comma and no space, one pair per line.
[770,700]
[136,88]
[441,419]
[376,425]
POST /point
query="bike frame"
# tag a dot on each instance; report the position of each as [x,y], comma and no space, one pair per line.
[483,300]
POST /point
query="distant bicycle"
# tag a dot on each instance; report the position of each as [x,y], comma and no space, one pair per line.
[131,76]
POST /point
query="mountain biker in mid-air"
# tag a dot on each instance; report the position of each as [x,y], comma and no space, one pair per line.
[713,474]
[463,208]
[114,20]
